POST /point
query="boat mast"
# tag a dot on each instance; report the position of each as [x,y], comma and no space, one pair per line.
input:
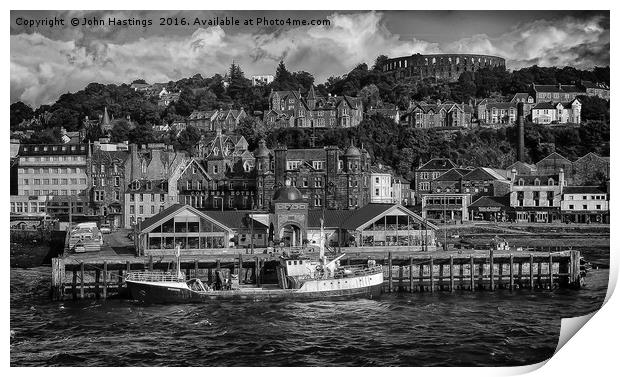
[322,243]
[177,253]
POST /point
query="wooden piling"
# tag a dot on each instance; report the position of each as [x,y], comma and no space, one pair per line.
[432,272]
[97,277]
[105,280]
[74,285]
[58,277]
[82,280]
[240,268]
[196,268]
[471,273]
[390,272]
[257,271]
[451,273]
[540,284]
[491,271]
[520,276]
[410,274]
[512,275]
[421,277]
[150,263]
[400,278]
[531,272]
[550,272]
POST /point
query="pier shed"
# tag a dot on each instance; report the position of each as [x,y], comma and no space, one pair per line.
[181,225]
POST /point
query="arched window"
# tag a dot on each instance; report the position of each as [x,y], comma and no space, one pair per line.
[551,182]
[536,182]
[520,182]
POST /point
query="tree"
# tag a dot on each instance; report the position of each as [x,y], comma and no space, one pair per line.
[379,63]
[370,96]
[188,139]
[67,118]
[303,79]
[142,134]
[20,112]
[120,131]
[283,79]
[594,108]
[238,85]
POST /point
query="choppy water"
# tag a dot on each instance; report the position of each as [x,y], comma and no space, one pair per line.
[421,329]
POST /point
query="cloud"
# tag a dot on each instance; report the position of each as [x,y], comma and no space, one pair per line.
[45,66]
[581,43]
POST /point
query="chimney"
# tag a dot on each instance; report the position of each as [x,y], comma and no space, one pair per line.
[521,126]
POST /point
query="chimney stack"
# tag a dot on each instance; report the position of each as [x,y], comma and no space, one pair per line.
[521,126]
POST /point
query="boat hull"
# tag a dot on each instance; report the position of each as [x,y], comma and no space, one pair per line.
[153,293]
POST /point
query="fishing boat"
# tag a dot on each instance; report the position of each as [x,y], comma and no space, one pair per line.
[299,278]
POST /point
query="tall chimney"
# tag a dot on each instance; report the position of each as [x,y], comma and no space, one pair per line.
[521,125]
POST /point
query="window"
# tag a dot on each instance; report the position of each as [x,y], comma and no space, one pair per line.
[318,182]
[423,175]
[305,182]
[376,192]
[132,209]
[117,180]
[132,197]
[585,206]
[117,195]
[292,165]
[598,206]
[54,181]
[162,197]
[102,181]
[318,165]
[152,197]
[141,210]
[152,209]
[189,184]
[215,169]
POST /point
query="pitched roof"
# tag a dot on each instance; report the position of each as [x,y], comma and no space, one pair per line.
[483,174]
[235,219]
[583,190]
[554,156]
[560,88]
[149,223]
[452,175]
[306,154]
[528,180]
[520,97]
[333,217]
[438,164]
[369,212]
[491,201]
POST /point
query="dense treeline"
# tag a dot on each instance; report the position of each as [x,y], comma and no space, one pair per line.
[400,147]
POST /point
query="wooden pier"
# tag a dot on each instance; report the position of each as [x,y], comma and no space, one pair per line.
[488,271]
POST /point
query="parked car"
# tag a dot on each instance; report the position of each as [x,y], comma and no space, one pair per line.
[105,229]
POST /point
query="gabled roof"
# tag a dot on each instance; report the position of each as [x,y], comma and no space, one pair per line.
[452,175]
[491,201]
[362,217]
[150,223]
[520,97]
[200,168]
[593,85]
[583,190]
[333,217]
[554,156]
[438,164]
[483,174]
[592,155]
[528,180]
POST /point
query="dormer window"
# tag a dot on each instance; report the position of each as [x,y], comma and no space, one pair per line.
[550,182]
[521,182]
[536,182]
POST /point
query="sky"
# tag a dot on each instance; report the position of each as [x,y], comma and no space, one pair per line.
[49,61]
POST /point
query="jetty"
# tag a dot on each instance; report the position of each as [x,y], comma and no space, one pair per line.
[101,276]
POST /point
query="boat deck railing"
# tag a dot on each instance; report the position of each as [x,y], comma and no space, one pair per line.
[154,276]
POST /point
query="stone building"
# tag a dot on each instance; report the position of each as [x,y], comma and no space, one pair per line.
[381,190]
[151,175]
[438,115]
[290,109]
[596,89]
[226,121]
[326,177]
[447,67]
[590,169]
[555,93]
[106,172]
[553,163]
[428,172]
